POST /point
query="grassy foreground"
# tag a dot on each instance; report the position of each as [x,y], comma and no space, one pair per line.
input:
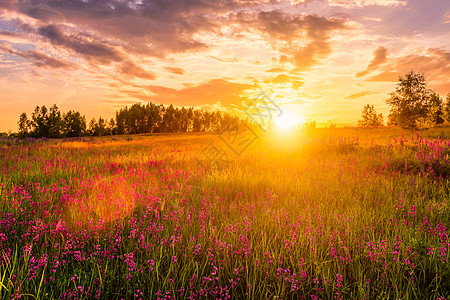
[320,214]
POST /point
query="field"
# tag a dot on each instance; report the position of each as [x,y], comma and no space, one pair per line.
[316,214]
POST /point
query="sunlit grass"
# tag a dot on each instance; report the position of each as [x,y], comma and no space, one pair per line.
[345,213]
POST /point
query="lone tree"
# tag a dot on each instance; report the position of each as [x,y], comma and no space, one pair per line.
[413,105]
[370,118]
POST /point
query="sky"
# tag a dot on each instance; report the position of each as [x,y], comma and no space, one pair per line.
[319,60]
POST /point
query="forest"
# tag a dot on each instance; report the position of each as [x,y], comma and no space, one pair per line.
[137,119]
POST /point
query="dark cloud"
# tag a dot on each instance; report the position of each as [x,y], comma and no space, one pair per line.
[318,30]
[280,26]
[151,27]
[105,31]
[361,94]
[86,45]
[8,4]
[38,58]
[379,57]
[8,34]
[131,69]
[42,59]
[217,90]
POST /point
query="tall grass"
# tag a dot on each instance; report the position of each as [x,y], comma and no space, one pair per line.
[322,214]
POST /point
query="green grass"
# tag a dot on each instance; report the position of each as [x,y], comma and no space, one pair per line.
[336,213]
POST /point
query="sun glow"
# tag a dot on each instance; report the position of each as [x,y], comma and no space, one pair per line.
[287,121]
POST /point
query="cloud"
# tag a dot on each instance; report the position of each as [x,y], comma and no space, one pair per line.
[88,46]
[8,34]
[296,84]
[156,27]
[276,69]
[107,31]
[385,77]
[281,78]
[193,41]
[362,3]
[283,26]
[434,63]
[284,60]
[225,60]
[131,69]
[38,58]
[379,57]
[361,94]
[8,4]
[413,19]
[279,25]
[318,30]
[175,70]
[13,37]
[295,30]
[308,56]
[286,79]
[210,92]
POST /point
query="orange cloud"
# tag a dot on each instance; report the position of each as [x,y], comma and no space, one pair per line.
[175,70]
[361,94]
[385,77]
[131,69]
[434,63]
[285,27]
[380,57]
[214,91]
[286,79]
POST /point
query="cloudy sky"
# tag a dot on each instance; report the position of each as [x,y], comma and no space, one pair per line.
[319,60]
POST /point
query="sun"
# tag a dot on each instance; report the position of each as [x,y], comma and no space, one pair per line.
[287,121]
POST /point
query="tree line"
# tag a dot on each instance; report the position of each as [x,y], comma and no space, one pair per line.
[138,118]
[413,106]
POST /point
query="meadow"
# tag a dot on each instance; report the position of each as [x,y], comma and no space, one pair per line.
[314,214]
